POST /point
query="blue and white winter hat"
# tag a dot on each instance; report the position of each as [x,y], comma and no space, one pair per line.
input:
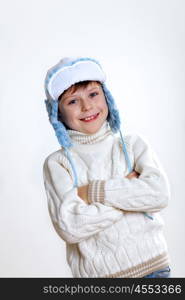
[69,71]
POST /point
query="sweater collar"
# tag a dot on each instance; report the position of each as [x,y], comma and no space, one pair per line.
[84,138]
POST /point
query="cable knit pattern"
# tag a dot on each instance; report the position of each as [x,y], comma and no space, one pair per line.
[110,236]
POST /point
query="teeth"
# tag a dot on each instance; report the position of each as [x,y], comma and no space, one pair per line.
[89,118]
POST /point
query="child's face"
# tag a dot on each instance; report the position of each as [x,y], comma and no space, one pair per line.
[85,110]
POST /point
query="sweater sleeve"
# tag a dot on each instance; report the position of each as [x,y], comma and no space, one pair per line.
[73,219]
[149,192]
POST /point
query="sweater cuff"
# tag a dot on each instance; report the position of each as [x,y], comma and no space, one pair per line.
[96,191]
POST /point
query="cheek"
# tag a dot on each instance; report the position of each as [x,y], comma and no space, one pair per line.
[106,110]
[71,115]
[104,106]
[64,114]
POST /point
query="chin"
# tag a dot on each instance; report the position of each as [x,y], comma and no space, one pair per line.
[92,130]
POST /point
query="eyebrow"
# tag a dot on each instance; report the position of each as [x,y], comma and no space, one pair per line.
[73,95]
[95,87]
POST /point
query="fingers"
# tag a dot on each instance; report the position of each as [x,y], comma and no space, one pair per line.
[133,174]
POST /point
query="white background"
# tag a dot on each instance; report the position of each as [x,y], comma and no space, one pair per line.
[141,46]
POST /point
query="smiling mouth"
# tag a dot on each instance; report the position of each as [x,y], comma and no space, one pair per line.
[90,118]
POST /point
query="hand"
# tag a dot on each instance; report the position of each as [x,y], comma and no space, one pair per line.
[82,193]
[133,174]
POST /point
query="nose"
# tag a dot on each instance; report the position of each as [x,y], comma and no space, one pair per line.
[86,105]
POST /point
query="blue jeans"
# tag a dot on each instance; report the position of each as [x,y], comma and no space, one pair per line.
[163,273]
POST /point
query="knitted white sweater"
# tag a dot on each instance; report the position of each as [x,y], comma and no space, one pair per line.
[110,236]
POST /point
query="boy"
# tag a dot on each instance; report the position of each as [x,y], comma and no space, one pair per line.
[104,192]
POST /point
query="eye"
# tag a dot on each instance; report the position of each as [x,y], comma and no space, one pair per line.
[72,101]
[93,94]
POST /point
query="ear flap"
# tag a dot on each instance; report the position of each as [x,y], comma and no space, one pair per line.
[60,129]
[113,116]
